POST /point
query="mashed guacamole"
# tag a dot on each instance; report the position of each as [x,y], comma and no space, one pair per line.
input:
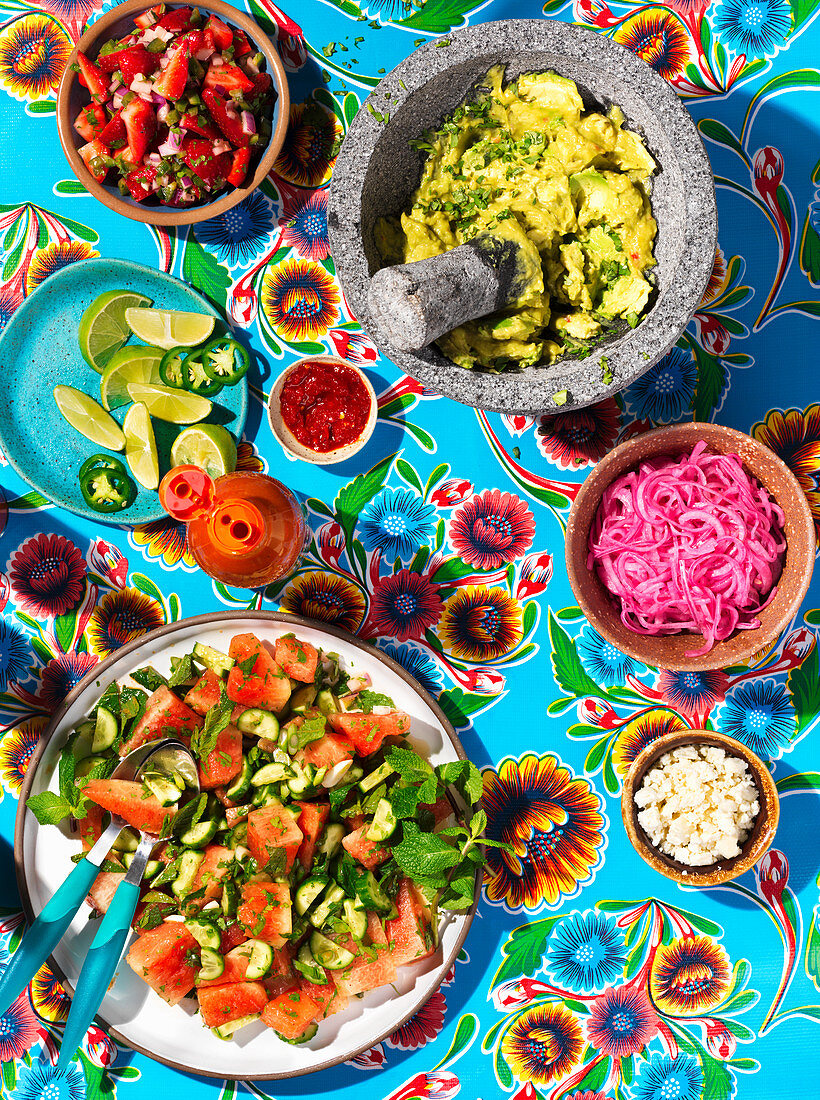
[527,163]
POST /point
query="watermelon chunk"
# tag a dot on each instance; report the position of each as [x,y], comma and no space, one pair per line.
[212,870]
[165,716]
[265,911]
[298,659]
[408,933]
[265,685]
[366,972]
[327,751]
[90,827]
[224,763]
[160,956]
[205,693]
[290,1013]
[129,800]
[103,889]
[367,852]
[222,1003]
[327,997]
[312,820]
[367,731]
[271,828]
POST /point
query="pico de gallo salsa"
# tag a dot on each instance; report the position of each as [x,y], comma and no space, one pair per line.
[178,107]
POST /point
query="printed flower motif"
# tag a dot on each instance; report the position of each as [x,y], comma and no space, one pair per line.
[640,732]
[19,1030]
[418,664]
[49,998]
[689,976]
[61,675]
[330,539]
[491,529]
[586,952]
[580,438]
[397,522]
[305,228]
[53,258]
[690,692]
[587,1094]
[16,749]
[43,1081]
[300,300]
[15,654]
[534,575]
[354,346]
[166,539]
[517,423]
[325,597]
[621,1022]
[70,11]
[720,1042]
[238,234]
[480,624]
[423,1027]
[107,563]
[717,280]
[795,437]
[9,301]
[760,714]
[121,616]
[658,38]
[404,605]
[665,1078]
[603,661]
[755,27]
[665,393]
[47,575]
[33,53]
[308,153]
[451,492]
[543,1044]
[483,681]
[101,1049]
[553,823]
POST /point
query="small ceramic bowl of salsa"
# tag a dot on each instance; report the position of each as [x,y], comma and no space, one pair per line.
[322,409]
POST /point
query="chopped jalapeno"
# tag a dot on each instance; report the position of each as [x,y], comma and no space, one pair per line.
[107,490]
[225,360]
[170,369]
[194,376]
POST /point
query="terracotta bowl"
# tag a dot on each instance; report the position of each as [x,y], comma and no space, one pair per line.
[759,839]
[72,97]
[672,651]
[289,440]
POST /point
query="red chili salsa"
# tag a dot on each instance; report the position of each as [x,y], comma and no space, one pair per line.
[325,405]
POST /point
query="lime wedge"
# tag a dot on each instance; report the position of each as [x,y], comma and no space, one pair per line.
[177,406]
[141,446]
[209,446]
[133,363]
[103,327]
[83,413]
[168,329]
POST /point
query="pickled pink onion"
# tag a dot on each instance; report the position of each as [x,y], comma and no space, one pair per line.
[688,544]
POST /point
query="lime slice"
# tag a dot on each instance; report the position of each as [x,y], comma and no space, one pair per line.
[209,446]
[133,363]
[177,406]
[103,327]
[168,329]
[83,413]
[141,446]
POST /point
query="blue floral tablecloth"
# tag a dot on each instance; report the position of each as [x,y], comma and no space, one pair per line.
[585,975]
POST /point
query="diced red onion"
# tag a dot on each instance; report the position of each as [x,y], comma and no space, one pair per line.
[162,112]
[218,61]
[170,147]
[115,83]
[691,543]
[154,159]
[204,55]
[186,182]
[248,123]
[247,65]
[221,147]
[158,100]
[142,86]
[117,99]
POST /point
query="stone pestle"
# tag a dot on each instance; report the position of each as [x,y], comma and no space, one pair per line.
[413,304]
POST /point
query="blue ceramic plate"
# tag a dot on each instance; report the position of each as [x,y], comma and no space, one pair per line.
[39,350]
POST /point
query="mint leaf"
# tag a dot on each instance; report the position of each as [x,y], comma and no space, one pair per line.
[149,678]
[425,855]
[247,666]
[478,823]
[66,768]
[403,801]
[409,764]
[367,700]
[312,729]
[183,672]
[465,777]
[203,741]
[277,862]
[49,808]
[132,705]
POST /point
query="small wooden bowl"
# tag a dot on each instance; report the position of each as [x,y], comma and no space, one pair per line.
[756,844]
[289,440]
[71,97]
[672,651]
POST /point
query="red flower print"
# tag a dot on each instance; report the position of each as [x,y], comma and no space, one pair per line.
[621,1022]
[580,438]
[451,492]
[423,1027]
[491,529]
[47,575]
[405,605]
[61,675]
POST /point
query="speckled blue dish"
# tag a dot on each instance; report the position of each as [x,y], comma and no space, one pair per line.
[39,351]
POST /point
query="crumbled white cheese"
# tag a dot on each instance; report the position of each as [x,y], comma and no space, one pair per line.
[698,804]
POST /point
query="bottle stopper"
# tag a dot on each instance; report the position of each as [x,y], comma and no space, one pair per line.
[234,526]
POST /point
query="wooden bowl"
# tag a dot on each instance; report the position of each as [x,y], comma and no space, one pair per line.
[72,97]
[756,844]
[673,651]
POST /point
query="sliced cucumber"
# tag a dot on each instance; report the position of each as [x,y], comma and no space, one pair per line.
[259,723]
[212,658]
[163,788]
[127,841]
[151,867]
[260,959]
[200,834]
[83,767]
[375,778]
[307,893]
[384,822]
[355,919]
[331,840]
[188,866]
[227,1031]
[302,698]
[241,784]
[105,730]
[239,835]
[327,703]
[205,934]
[371,894]
[229,901]
[329,954]
[305,1037]
[212,964]
[307,965]
[85,735]
[337,774]
[305,779]
[271,773]
[331,901]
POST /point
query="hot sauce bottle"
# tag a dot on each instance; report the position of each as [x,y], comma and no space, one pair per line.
[245,529]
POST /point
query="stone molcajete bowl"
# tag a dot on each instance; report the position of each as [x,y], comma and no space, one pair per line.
[377,172]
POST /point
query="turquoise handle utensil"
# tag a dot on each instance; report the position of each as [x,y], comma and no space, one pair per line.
[44,934]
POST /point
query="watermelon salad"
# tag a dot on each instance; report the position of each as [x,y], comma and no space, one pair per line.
[177,109]
[318,855]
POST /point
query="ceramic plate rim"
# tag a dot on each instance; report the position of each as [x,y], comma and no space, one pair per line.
[208,619]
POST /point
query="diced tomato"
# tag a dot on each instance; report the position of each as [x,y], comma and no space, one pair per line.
[367,731]
[290,1013]
[113,131]
[208,41]
[129,800]
[312,820]
[199,126]
[205,693]
[93,78]
[298,659]
[172,80]
[160,957]
[222,1003]
[270,829]
[227,78]
[140,183]
[177,20]
[226,117]
[224,763]
[265,911]
[90,122]
[90,152]
[241,45]
[223,35]
[192,39]
[367,852]
[140,127]
[212,169]
[165,714]
[265,685]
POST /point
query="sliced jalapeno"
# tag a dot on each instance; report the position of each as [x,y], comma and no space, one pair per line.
[102,462]
[170,369]
[225,360]
[194,377]
[107,490]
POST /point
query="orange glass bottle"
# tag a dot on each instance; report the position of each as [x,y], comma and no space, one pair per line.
[244,529]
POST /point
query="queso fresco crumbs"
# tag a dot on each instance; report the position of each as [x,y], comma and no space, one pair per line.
[525,162]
